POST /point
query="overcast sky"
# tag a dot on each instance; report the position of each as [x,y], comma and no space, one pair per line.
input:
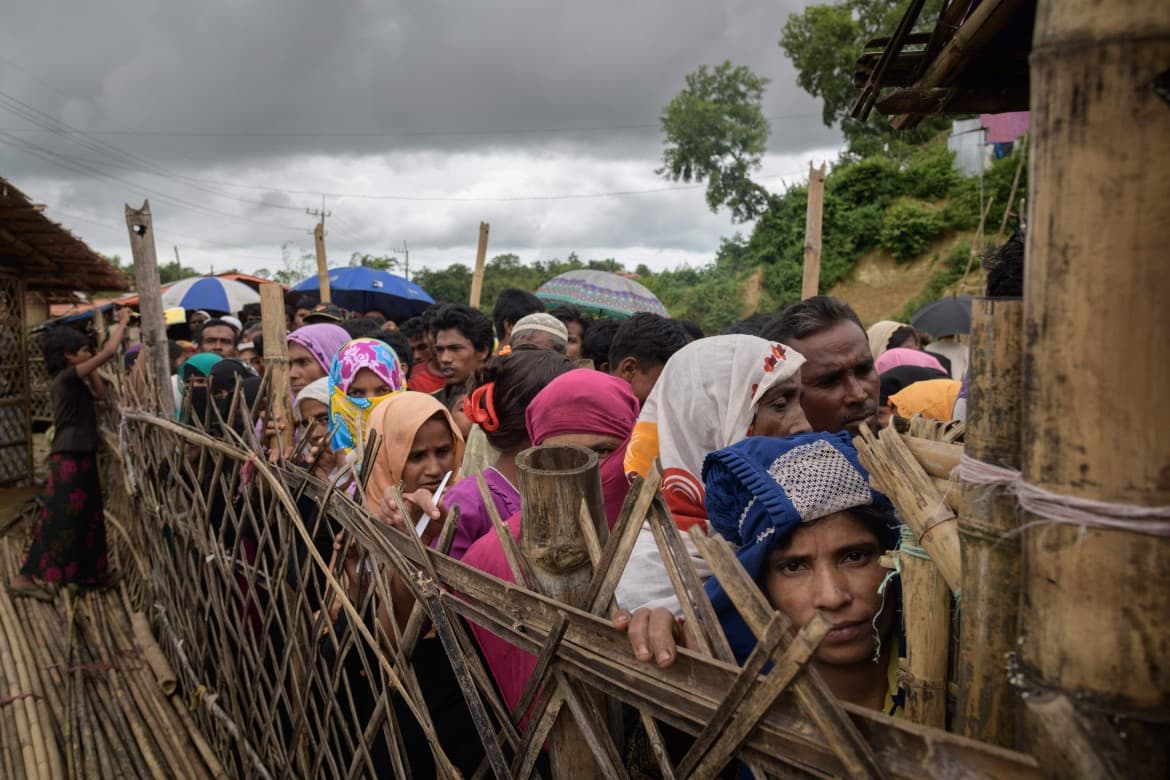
[417,120]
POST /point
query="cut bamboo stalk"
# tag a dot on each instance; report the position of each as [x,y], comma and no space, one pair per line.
[1095,602]
[164,675]
[937,458]
[891,464]
[45,761]
[555,484]
[927,619]
[989,619]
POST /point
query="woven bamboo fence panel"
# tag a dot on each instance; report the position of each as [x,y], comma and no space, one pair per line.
[231,559]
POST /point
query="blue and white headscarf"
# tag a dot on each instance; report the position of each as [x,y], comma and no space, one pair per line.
[760,489]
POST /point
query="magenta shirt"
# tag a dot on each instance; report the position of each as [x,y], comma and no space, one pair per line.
[474,520]
[510,666]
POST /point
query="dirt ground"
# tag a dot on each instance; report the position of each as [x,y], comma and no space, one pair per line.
[879,288]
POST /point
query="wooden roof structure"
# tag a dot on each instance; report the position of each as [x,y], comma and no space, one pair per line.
[48,257]
[974,60]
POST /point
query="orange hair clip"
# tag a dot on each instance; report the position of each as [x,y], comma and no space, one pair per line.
[480,408]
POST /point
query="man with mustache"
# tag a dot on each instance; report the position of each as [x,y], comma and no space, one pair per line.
[840,384]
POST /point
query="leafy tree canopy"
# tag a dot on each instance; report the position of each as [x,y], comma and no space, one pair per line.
[716,132]
[825,41]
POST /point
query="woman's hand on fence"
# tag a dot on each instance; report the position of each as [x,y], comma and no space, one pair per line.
[655,634]
[421,500]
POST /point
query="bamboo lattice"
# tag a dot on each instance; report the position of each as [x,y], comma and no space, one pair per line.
[233,561]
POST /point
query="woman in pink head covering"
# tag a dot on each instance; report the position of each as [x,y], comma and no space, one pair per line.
[588,409]
[900,356]
[310,352]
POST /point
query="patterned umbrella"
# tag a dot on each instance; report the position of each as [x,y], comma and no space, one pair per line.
[363,289]
[600,292]
[209,293]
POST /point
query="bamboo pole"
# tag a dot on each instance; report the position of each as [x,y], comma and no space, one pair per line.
[150,308]
[898,474]
[1096,599]
[322,264]
[926,602]
[276,363]
[554,481]
[480,258]
[1007,209]
[989,620]
[810,285]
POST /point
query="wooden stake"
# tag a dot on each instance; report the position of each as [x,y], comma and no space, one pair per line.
[1007,209]
[150,308]
[276,361]
[480,257]
[1095,600]
[926,602]
[812,232]
[322,265]
[989,619]
[554,482]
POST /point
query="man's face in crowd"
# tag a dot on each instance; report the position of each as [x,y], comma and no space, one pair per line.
[641,378]
[456,356]
[299,317]
[420,350]
[576,333]
[839,381]
[220,339]
[195,321]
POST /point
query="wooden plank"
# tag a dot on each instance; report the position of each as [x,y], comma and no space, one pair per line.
[480,258]
[150,308]
[810,284]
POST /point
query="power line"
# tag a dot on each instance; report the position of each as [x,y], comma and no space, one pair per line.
[391,134]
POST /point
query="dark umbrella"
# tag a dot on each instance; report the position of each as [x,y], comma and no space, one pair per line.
[362,289]
[948,317]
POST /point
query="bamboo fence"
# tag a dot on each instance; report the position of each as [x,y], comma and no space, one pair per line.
[231,560]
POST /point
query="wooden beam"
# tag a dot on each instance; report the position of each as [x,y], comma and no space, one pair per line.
[150,308]
[480,257]
[873,86]
[944,100]
[810,284]
[981,26]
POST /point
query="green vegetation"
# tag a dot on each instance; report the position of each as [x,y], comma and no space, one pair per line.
[943,277]
[871,203]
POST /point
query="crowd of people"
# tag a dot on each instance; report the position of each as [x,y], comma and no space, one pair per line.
[752,428]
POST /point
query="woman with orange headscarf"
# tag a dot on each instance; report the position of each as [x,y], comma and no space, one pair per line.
[420,446]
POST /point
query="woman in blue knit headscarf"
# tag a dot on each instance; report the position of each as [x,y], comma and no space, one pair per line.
[809,531]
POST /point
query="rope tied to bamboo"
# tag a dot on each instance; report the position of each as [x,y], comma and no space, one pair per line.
[1062,508]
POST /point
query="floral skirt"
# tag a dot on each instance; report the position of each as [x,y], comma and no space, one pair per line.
[69,544]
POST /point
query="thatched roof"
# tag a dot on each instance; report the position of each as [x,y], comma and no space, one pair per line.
[973,60]
[49,259]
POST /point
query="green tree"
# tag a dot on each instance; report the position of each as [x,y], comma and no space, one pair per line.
[716,132]
[449,285]
[377,262]
[174,271]
[825,41]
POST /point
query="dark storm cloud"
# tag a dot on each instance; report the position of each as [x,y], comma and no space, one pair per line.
[436,74]
[418,99]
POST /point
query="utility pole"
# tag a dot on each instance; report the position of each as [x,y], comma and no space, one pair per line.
[406,262]
[319,240]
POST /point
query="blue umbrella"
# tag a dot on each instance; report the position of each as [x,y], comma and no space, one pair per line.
[362,289]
